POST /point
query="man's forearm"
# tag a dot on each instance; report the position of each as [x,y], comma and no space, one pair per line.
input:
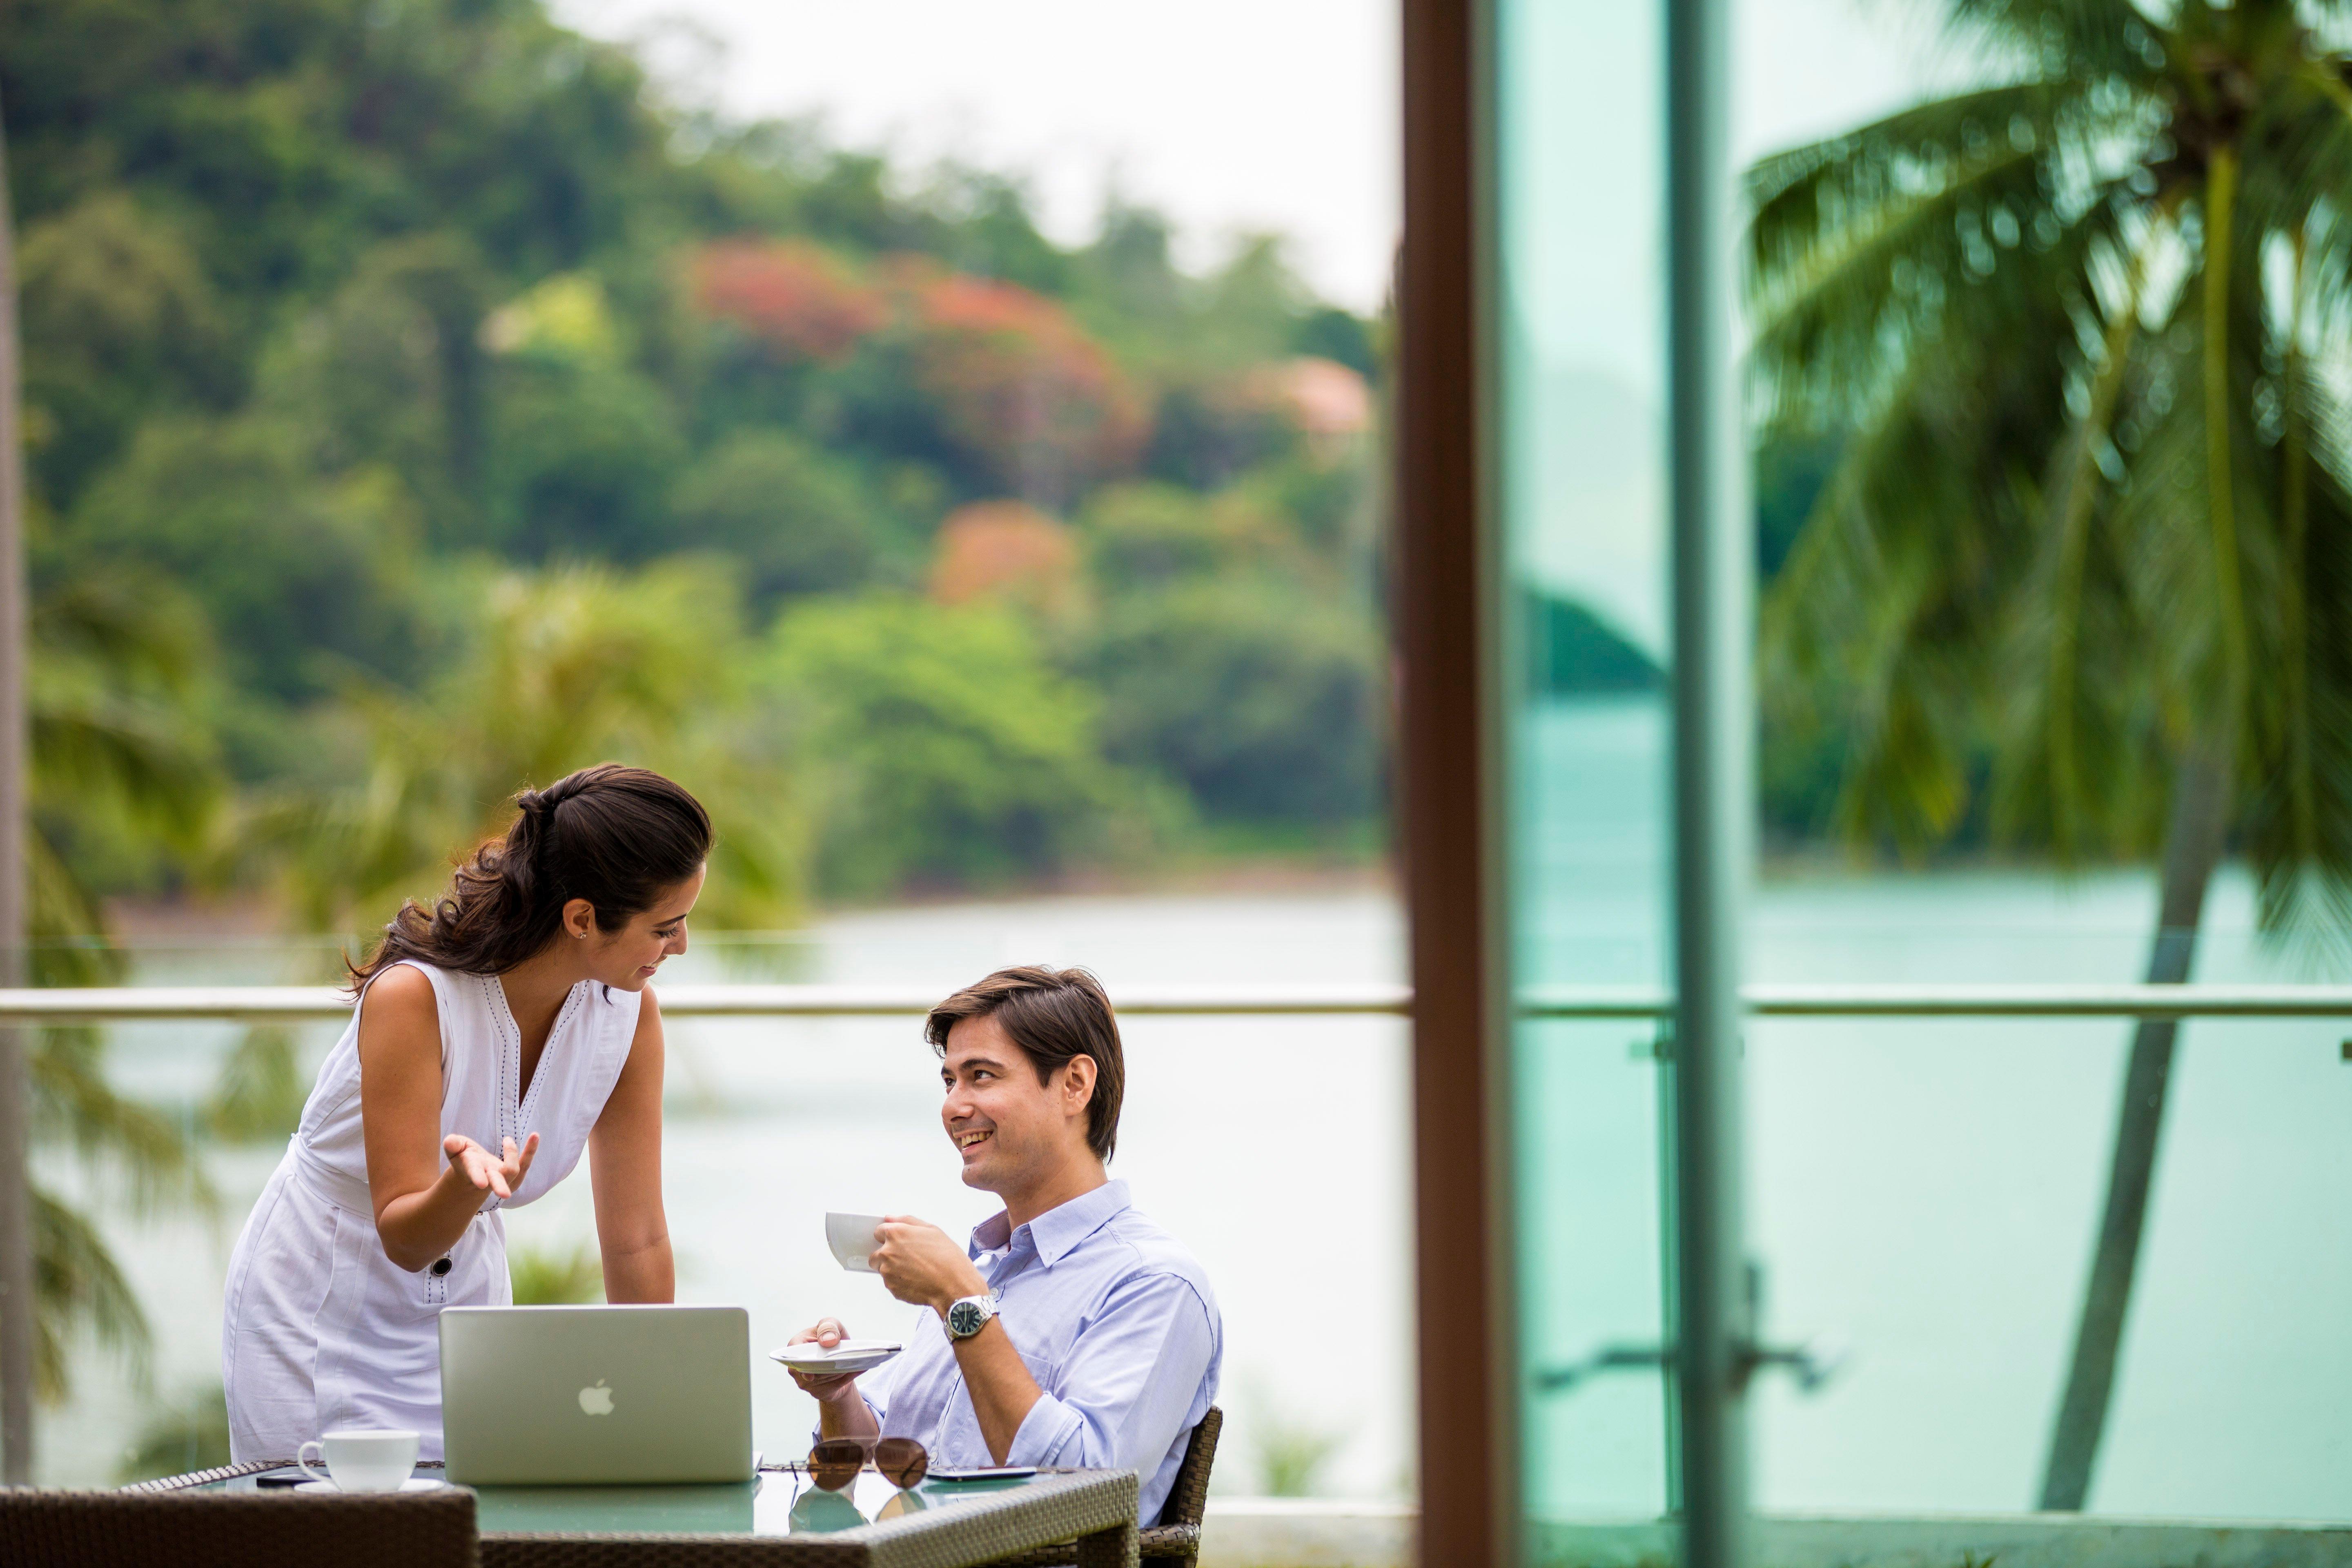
[848,1416]
[1003,1392]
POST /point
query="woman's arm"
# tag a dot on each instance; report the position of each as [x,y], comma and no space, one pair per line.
[624,1171]
[425,1188]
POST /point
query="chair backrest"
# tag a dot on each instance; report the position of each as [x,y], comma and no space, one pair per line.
[236,1530]
[1189,1498]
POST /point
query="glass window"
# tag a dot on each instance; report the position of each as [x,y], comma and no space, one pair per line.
[1577,319]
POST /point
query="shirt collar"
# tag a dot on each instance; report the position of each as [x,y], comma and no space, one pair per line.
[1057,1232]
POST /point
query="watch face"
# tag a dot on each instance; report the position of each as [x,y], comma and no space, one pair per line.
[965,1320]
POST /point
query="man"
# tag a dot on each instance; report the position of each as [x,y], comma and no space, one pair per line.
[1072,1331]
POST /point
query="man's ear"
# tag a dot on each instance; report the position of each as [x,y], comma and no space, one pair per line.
[1078,1084]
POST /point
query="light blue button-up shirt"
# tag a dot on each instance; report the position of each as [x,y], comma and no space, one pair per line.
[1117,1324]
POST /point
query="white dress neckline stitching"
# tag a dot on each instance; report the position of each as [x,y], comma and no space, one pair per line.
[513,1111]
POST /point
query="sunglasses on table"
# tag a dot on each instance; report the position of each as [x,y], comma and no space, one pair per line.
[835,1462]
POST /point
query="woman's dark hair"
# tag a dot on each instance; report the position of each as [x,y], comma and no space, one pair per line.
[615,837]
[1051,1015]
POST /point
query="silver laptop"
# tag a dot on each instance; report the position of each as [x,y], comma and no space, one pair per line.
[567,1396]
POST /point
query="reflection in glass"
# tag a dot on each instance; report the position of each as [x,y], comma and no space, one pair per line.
[1981,253]
[902,1503]
[817,1512]
[724,1510]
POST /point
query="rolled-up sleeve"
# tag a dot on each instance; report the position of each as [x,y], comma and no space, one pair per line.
[1127,1384]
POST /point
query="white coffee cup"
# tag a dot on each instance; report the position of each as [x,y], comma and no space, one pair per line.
[850,1236]
[362,1461]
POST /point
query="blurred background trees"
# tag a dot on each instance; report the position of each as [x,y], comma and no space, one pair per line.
[357,330]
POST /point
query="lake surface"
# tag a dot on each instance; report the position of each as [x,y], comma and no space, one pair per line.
[1925,1192]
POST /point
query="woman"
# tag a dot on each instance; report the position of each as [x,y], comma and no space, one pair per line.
[492,1037]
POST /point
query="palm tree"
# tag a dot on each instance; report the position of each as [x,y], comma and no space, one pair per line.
[104,721]
[116,673]
[2086,558]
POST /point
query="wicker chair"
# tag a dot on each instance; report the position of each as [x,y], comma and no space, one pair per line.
[236,1529]
[1176,1539]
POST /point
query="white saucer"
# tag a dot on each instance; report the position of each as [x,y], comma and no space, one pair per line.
[849,1355]
[414,1484]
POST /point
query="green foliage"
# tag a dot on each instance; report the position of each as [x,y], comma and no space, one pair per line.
[944,750]
[1265,702]
[117,316]
[1144,539]
[302,574]
[76,1283]
[559,669]
[1335,334]
[1229,655]
[387,377]
[542,1276]
[125,770]
[584,459]
[327,302]
[2076,343]
[798,520]
[1572,651]
[118,764]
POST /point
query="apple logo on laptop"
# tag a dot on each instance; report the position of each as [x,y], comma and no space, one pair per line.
[596,1401]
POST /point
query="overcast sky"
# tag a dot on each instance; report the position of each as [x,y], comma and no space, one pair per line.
[1229,115]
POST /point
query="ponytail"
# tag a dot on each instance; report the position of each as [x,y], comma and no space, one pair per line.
[615,835]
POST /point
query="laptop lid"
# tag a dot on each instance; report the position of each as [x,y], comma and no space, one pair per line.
[565,1395]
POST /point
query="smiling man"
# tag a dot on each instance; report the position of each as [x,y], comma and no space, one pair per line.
[1072,1331]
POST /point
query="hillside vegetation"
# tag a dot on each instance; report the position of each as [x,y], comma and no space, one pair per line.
[429,409]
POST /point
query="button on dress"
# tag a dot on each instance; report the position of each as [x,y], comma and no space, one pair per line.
[321,1330]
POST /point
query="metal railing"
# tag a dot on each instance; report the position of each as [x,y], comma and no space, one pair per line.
[287,1004]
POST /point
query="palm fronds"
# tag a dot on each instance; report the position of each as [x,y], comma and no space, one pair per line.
[77,1284]
[118,672]
[2078,333]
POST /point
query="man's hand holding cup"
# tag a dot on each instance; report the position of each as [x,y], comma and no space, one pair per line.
[923,1265]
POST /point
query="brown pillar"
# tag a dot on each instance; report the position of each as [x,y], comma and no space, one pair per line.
[1448,790]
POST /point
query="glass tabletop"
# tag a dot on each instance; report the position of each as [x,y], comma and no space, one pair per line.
[778,1502]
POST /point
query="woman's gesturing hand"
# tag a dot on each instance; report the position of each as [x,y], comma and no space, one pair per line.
[486,1170]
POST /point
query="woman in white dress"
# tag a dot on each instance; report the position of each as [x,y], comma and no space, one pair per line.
[493,1037]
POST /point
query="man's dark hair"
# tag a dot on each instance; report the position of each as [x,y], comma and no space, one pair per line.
[1051,1015]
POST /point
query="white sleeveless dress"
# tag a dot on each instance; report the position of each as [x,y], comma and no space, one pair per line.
[321,1330]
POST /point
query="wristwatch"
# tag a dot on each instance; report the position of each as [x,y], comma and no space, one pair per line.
[969,1316]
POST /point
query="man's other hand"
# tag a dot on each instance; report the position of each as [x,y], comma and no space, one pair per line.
[920,1263]
[831,1386]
